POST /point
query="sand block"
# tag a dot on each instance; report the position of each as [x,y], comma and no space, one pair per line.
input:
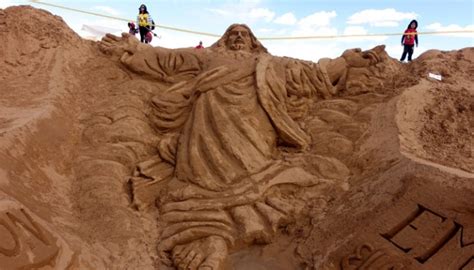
[417,232]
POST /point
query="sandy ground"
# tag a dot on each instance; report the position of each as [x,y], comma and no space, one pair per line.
[74,123]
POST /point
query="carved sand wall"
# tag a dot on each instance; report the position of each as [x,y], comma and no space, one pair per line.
[118,155]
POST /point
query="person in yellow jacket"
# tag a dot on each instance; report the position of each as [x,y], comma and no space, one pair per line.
[145,23]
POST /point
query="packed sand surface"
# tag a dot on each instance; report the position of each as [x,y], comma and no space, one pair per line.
[118,155]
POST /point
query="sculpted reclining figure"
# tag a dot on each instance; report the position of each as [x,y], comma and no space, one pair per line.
[226,111]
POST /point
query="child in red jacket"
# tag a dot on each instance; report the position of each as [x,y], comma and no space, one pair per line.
[409,39]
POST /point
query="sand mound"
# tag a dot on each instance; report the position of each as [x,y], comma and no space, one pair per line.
[80,131]
[449,123]
[25,45]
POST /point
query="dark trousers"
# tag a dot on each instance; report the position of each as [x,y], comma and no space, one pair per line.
[407,49]
[143,32]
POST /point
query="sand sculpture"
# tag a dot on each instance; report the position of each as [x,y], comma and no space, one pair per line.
[222,118]
[118,155]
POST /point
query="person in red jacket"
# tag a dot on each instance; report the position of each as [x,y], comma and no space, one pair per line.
[409,39]
[199,46]
[132,29]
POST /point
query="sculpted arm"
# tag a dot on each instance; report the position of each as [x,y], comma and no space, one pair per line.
[328,76]
[172,105]
[168,65]
[292,85]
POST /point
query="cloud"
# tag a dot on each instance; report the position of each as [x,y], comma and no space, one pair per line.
[264,30]
[359,30]
[308,50]
[355,30]
[380,17]
[386,24]
[316,24]
[246,11]
[321,18]
[286,19]
[320,31]
[437,27]
[264,13]
[172,39]
[218,11]
[250,2]
[107,10]
[271,32]
[434,26]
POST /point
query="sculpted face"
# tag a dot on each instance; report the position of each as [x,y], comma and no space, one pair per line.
[239,39]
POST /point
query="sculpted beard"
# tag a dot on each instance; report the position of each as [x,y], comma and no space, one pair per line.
[238,44]
[237,47]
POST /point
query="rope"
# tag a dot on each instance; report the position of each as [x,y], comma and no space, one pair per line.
[367,35]
[261,38]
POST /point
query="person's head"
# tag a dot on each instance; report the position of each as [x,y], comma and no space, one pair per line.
[200,42]
[239,37]
[413,24]
[142,9]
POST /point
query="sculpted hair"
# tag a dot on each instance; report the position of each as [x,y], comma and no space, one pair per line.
[255,47]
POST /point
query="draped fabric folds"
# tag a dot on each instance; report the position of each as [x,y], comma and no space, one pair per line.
[224,125]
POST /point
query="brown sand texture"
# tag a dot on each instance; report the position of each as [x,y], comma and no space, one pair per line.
[118,155]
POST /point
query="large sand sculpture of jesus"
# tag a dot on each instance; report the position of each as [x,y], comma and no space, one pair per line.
[220,183]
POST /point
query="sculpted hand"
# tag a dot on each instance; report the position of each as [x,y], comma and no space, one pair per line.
[358,58]
[207,80]
[118,46]
[298,82]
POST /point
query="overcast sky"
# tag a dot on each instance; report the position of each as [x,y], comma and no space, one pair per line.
[273,18]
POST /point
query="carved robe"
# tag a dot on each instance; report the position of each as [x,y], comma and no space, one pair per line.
[222,124]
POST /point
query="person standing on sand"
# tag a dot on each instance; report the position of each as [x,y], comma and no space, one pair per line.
[199,46]
[145,23]
[409,39]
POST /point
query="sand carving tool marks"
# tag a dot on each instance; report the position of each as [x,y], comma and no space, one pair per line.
[414,232]
[366,257]
[27,241]
[116,135]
